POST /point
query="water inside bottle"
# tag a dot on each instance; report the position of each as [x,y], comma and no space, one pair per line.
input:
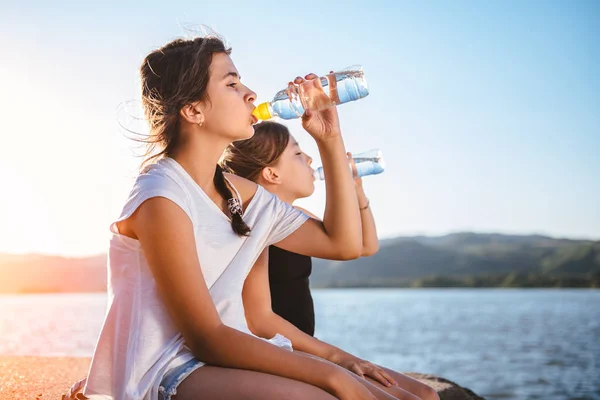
[368,163]
[368,167]
[351,84]
[287,105]
[315,98]
[348,85]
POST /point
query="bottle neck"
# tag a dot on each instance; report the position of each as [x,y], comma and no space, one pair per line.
[264,111]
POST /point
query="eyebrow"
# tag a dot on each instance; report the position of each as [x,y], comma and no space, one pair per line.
[234,74]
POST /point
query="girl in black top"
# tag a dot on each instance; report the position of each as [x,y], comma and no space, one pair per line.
[273,158]
[290,292]
[278,300]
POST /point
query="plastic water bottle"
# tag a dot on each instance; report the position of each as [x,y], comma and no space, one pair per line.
[348,84]
[367,163]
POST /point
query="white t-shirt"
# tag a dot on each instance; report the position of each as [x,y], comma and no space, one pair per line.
[139,342]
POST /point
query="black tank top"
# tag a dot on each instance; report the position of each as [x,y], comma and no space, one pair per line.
[290,293]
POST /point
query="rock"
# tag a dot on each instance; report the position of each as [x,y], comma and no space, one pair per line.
[447,390]
[47,378]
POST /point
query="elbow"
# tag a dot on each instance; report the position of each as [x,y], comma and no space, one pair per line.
[344,249]
[354,250]
[207,346]
[370,250]
[258,323]
[350,253]
[253,322]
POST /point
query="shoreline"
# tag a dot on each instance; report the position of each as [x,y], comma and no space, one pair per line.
[318,288]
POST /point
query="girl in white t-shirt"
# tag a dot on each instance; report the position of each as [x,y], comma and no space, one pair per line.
[189,234]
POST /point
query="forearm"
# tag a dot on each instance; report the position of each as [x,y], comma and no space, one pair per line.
[272,324]
[370,241]
[230,348]
[341,219]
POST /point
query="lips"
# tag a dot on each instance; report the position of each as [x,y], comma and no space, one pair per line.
[253,119]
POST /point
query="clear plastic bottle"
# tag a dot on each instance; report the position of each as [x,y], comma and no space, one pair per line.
[367,163]
[348,84]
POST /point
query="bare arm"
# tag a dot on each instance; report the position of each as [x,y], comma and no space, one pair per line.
[370,243]
[339,235]
[263,322]
[167,239]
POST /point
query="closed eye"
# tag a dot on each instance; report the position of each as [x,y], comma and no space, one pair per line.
[232,84]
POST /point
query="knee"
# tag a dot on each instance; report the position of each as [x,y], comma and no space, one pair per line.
[428,393]
[405,396]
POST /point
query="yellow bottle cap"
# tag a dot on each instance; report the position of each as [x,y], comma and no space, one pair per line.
[262,112]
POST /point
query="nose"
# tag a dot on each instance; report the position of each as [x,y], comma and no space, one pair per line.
[250,96]
[309,159]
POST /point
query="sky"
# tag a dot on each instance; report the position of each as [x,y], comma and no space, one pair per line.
[487,113]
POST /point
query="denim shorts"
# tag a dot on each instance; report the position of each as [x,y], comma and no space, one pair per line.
[174,377]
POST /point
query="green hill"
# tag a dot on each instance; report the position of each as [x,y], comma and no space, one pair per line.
[468,260]
[455,260]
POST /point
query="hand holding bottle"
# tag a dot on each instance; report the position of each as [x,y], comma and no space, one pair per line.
[323,124]
[357,178]
[348,84]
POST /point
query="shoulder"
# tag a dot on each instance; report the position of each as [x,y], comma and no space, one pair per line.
[246,187]
[158,177]
[149,192]
[305,211]
[158,182]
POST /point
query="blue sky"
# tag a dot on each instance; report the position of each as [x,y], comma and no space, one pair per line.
[488,113]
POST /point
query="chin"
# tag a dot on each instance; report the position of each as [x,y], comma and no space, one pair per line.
[309,190]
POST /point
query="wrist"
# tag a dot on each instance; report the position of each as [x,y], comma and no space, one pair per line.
[333,138]
[363,204]
[336,356]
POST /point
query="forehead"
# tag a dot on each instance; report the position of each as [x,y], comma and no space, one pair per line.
[221,65]
[292,144]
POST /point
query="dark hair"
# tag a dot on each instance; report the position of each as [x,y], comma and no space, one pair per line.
[248,157]
[172,77]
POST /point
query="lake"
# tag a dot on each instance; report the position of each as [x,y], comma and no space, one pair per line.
[501,343]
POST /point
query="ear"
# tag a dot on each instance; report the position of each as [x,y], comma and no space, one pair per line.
[192,113]
[270,175]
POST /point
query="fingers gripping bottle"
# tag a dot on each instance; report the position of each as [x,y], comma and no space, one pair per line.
[367,163]
[340,87]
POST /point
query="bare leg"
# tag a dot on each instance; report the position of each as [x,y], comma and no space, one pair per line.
[410,385]
[378,390]
[216,383]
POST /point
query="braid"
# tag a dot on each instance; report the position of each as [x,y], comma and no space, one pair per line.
[237,222]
